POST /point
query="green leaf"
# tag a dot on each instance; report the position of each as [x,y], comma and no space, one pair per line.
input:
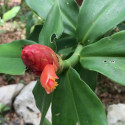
[52,26]
[75,104]
[107,56]
[119,27]
[66,46]
[10,57]
[69,12]
[65,42]
[41,7]
[60,18]
[42,99]
[95,22]
[46,122]
[66,52]
[89,77]
[11,13]
[26,16]
[2,107]
[29,24]
[35,33]
[6,109]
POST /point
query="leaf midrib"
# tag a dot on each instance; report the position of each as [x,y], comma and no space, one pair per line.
[73,99]
[73,26]
[99,15]
[63,14]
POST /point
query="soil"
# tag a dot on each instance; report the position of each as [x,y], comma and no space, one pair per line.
[11,31]
[108,91]
[15,79]
[11,2]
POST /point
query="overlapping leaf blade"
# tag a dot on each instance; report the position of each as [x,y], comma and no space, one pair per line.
[35,33]
[66,46]
[69,12]
[52,26]
[107,56]
[42,100]
[89,77]
[75,104]
[10,57]
[11,13]
[41,7]
[60,19]
[96,17]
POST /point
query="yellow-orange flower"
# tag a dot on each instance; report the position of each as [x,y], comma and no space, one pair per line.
[48,78]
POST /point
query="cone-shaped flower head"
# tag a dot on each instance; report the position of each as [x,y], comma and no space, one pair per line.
[37,56]
[43,61]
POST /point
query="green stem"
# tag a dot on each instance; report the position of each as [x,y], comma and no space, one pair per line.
[72,61]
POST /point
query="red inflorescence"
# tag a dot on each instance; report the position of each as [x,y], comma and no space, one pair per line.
[37,56]
[43,61]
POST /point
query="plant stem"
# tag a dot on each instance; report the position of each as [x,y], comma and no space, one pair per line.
[72,61]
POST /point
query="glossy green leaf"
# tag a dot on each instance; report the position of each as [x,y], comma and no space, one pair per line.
[29,24]
[42,100]
[35,33]
[10,57]
[89,77]
[69,12]
[46,122]
[65,41]
[52,26]
[64,11]
[41,7]
[96,17]
[66,52]
[75,104]
[107,56]
[65,46]
[11,13]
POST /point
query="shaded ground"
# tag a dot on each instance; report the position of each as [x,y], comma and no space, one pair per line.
[9,79]
[110,92]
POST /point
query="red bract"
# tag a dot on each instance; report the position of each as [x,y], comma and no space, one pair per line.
[42,61]
[37,56]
